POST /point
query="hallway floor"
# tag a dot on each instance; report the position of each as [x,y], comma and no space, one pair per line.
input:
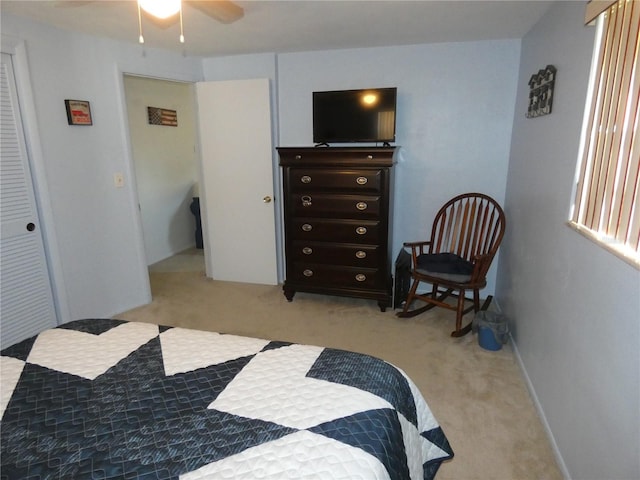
[190,260]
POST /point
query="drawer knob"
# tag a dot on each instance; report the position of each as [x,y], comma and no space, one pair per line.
[370,157]
[360,277]
[306,201]
[307,250]
[361,254]
[362,180]
[306,227]
[298,157]
[305,179]
[308,273]
[361,230]
[361,205]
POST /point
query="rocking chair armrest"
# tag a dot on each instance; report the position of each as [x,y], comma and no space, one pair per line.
[416,245]
[417,248]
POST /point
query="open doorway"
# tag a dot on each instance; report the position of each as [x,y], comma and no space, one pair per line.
[163,134]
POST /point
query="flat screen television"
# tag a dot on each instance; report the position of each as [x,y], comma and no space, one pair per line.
[354,116]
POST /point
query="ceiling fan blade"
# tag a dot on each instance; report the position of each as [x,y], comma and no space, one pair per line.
[224,11]
[71,3]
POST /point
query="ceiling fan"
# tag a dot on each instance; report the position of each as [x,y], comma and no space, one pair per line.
[165,13]
[224,11]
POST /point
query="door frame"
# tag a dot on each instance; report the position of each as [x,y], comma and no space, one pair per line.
[154,72]
[16,47]
[130,174]
[135,161]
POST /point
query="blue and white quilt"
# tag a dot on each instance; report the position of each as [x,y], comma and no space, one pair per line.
[112,399]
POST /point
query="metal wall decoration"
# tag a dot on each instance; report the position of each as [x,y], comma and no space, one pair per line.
[541,92]
[162,116]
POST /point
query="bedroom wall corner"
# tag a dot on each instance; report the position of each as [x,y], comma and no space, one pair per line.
[446,92]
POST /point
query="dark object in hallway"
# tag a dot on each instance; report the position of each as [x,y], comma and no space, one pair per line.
[195,209]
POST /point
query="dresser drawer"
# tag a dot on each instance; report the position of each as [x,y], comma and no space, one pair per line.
[339,231]
[336,206]
[332,276]
[367,256]
[337,157]
[307,179]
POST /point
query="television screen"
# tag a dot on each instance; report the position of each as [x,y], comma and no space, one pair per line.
[346,116]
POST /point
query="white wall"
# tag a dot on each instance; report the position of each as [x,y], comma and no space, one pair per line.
[96,225]
[240,67]
[166,164]
[454,117]
[575,308]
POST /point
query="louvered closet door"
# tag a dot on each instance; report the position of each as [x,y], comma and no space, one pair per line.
[26,303]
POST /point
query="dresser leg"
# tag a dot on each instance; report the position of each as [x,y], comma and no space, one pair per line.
[289,293]
[383,306]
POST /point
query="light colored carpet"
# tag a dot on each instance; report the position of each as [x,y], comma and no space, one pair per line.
[190,260]
[478,396]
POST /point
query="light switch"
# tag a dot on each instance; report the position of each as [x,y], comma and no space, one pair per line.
[118,180]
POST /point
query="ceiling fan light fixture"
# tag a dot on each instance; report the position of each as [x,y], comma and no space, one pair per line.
[160,8]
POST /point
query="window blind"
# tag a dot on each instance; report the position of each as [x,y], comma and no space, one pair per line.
[608,189]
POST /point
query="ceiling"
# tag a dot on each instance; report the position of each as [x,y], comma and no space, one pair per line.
[292,26]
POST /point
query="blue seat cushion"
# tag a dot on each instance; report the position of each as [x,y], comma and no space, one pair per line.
[447,266]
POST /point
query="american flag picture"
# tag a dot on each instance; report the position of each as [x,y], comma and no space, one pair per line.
[162,116]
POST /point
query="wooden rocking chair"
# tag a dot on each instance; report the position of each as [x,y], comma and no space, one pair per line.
[465,237]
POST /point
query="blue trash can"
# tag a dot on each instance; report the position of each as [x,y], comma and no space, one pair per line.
[492,329]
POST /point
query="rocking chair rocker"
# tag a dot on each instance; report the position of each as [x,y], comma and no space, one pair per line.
[465,237]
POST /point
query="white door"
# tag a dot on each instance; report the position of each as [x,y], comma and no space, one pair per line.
[26,301]
[238,213]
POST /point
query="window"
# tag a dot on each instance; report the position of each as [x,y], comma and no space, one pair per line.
[607,205]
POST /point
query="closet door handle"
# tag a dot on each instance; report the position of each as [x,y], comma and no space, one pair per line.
[31,226]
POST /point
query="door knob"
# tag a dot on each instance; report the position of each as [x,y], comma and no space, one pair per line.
[267,199]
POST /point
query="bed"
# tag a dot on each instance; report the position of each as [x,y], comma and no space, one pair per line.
[104,398]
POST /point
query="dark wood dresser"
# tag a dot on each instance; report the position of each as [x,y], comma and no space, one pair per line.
[337,217]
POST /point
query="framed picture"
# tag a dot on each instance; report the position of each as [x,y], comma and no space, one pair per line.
[78,112]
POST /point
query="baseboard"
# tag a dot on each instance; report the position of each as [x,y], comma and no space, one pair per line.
[184,248]
[543,418]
